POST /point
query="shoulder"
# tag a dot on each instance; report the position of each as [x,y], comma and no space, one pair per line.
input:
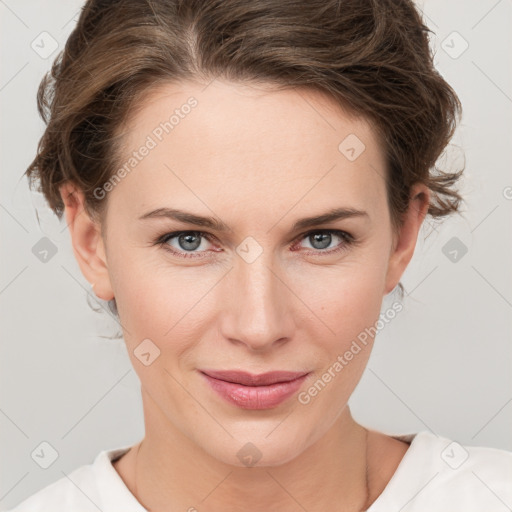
[455,462]
[83,489]
[64,494]
[439,474]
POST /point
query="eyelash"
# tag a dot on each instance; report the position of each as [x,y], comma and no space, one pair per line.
[348,240]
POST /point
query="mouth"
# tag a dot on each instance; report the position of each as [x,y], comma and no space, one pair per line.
[250,379]
[250,391]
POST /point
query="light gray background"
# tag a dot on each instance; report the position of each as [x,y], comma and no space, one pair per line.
[444,363]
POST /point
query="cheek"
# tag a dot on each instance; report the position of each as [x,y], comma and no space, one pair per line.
[349,303]
[169,304]
[346,298]
[161,302]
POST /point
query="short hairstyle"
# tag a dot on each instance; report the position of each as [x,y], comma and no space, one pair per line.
[372,57]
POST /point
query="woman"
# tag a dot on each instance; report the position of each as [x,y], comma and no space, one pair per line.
[244,182]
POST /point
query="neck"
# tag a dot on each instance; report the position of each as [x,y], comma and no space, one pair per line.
[170,472]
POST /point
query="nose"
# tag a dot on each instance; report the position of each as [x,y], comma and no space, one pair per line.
[257,308]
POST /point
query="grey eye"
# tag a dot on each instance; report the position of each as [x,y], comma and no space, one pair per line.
[189,241]
[320,240]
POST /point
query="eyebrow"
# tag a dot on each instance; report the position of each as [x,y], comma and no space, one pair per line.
[218,225]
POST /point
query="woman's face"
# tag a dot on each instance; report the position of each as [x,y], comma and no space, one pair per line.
[268,292]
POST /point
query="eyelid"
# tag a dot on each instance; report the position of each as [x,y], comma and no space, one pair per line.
[162,240]
[347,238]
[309,232]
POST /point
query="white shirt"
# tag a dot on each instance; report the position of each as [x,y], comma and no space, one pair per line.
[435,475]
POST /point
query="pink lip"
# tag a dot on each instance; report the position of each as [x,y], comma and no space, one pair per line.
[249,391]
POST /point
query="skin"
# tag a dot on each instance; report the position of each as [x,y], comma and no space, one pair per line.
[258,159]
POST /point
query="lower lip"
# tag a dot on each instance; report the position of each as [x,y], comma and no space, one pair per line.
[255,397]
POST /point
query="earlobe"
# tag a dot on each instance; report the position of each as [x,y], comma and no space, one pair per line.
[87,241]
[405,241]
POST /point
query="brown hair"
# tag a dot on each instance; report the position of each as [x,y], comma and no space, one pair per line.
[371,56]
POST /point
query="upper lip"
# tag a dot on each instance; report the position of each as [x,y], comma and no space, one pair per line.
[250,379]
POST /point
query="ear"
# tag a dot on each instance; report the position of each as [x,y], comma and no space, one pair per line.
[404,242]
[87,241]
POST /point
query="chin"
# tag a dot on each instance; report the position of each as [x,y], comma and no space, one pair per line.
[254,454]
[265,447]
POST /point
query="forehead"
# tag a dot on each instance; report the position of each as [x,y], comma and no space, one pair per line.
[247,144]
